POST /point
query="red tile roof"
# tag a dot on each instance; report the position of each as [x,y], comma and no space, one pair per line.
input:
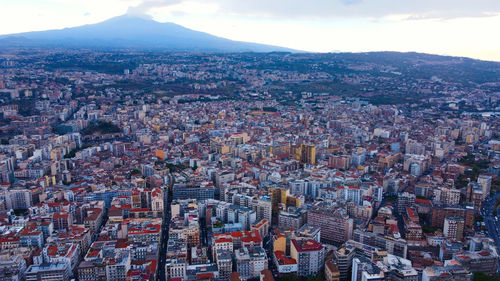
[309,245]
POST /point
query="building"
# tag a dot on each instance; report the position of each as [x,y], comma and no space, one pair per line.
[250,262]
[262,227]
[224,261]
[440,212]
[117,268]
[31,237]
[20,199]
[308,154]
[405,200]
[262,207]
[68,253]
[294,218]
[48,272]
[283,263]
[397,268]
[309,254]
[89,271]
[236,240]
[394,246]
[485,260]
[336,226]
[183,191]
[308,232]
[105,261]
[453,228]
[485,182]
[331,271]
[447,273]
[363,269]
[343,259]
[199,255]
[12,267]
[278,196]
[62,220]
[75,234]
[176,258]
[94,218]
[205,272]
[445,195]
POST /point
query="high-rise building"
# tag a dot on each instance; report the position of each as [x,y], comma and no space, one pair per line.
[262,208]
[20,199]
[336,226]
[450,196]
[294,218]
[485,182]
[250,262]
[308,154]
[262,227]
[405,200]
[309,254]
[440,212]
[453,228]
[343,258]
[224,261]
[278,196]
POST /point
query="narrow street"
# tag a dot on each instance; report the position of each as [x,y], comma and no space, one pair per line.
[164,233]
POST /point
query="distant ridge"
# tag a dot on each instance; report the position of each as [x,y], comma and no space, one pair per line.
[132,32]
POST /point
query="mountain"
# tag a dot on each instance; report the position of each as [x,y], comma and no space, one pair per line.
[131,32]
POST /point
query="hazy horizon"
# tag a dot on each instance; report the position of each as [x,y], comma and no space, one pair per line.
[454,28]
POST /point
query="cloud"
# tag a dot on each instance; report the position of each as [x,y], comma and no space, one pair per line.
[351,2]
[146,6]
[293,9]
[451,15]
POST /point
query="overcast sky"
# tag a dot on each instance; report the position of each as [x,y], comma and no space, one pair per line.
[468,28]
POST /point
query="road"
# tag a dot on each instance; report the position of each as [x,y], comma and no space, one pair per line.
[490,219]
[164,234]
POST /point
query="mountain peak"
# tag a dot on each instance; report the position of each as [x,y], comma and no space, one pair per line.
[131,31]
[132,17]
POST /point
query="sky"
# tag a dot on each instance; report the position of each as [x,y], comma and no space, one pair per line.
[469,28]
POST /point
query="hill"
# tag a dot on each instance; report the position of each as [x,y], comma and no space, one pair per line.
[131,32]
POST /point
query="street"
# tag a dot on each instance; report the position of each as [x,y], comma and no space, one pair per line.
[491,218]
[164,237]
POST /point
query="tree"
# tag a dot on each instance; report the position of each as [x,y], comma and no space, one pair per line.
[314,278]
[291,277]
[480,276]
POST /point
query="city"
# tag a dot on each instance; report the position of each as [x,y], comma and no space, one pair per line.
[247,166]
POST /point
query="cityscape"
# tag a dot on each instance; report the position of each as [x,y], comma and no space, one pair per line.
[251,162]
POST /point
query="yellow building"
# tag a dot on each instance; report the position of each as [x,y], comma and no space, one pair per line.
[308,153]
[278,196]
[280,243]
[305,153]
